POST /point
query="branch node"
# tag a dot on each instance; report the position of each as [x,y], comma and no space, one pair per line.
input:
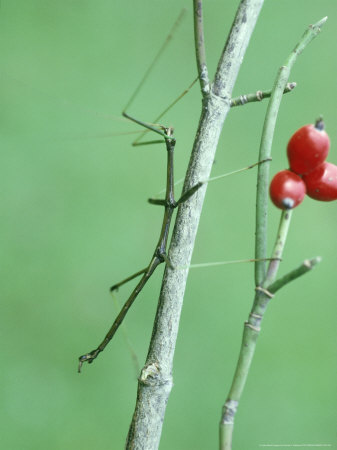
[265,291]
[243,99]
[229,411]
[151,376]
[255,316]
[204,80]
[259,95]
[249,325]
[291,86]
[305,267]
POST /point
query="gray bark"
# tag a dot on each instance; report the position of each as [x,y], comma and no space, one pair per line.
[155,382]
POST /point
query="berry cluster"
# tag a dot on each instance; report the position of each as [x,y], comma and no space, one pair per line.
[309,173]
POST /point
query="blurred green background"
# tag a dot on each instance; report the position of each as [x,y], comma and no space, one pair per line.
[75,220]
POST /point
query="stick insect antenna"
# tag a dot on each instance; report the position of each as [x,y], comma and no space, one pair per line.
[156,58]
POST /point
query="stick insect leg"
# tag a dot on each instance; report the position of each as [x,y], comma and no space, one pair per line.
[183,198]
[194,188]
[167,261]
[157,119]
[189,193]
[131,277]
[89,357]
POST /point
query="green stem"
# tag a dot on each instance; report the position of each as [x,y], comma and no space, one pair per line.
[252,329]
[265,149]
[250,335]
[263,277]
[279,246]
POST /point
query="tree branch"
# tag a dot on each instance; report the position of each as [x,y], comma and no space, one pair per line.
[304,268]
[199,43]
[235,48]
[155,382]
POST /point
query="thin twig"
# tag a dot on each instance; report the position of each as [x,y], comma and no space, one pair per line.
[199,42]
[305,267]
[258,96]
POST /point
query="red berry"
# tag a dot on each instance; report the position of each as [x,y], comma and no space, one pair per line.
[321,183]
[308,148]
[287,190]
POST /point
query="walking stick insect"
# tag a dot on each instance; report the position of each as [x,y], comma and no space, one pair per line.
[159,255]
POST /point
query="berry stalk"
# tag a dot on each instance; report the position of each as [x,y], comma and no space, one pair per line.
[265,149]
[263,277]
